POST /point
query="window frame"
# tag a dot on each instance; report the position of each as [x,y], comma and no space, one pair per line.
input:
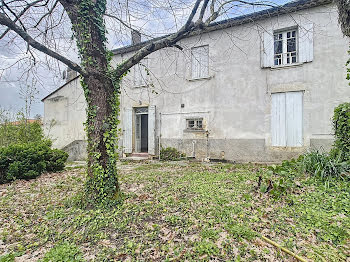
[285,55]
[193,76]
[196,126]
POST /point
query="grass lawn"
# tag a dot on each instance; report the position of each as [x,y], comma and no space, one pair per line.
[176,211]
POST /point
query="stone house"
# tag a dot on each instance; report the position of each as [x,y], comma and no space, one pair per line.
[260,87]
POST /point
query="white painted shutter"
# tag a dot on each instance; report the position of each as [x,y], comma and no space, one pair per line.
[140,73]
[194,63]
[127,139]
[204,61]
[278,121]
[152,130]
[267,53]
[137,75]
[294,118]
[306,43]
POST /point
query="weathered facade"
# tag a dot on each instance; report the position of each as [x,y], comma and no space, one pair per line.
[259,88]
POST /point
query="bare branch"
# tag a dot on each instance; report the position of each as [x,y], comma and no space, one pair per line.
[20,15]
[167,41]
[4,20]
[47,14]
[204,7]
[125,24]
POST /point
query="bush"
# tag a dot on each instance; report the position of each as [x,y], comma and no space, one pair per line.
[20,132]
[63,252]
[323,165]
[29,160]
[341,126]
[170,154]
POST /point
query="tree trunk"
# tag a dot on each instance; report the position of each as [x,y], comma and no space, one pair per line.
[344,15]
[101,127]
[101,89]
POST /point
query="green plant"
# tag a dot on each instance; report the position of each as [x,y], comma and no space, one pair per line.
[63,252]
[7,258]
[29,160]
[206,247]
[17,130]
[341,126]
[324,166]
[170,154]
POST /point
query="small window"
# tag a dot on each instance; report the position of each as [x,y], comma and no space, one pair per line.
[141,73]
[195,124]
[200,62]
[285,47]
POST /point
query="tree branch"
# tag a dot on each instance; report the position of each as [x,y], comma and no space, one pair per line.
[125,24]
[4,20]
[167,41]
[20,15]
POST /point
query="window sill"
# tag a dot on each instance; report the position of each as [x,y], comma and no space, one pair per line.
[287,148]
[286,66]
[141,86]
[194,131]
[199,79]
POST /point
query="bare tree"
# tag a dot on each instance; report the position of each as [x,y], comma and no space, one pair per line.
[100,82]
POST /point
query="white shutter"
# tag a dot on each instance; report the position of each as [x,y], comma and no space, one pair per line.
[267,53]
[127,138]
[204,61]
[294,118]
[152,130]
[194,63]
[278,121]
[306,43]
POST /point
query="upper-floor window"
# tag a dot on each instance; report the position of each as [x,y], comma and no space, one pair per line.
[285,47]
[141,73]
[200,62]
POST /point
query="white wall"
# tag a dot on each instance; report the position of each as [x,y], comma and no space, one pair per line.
[235,101]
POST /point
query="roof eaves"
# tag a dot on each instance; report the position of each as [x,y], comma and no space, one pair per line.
[42,100]
[244,19]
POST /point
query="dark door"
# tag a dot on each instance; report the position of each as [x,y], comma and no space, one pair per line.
[144,133]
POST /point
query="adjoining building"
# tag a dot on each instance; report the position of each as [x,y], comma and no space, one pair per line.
[260,87]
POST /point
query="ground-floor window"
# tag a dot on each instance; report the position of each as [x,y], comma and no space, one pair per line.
[287,119]
[194,124]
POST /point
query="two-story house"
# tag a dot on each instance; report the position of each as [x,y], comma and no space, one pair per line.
[260,87]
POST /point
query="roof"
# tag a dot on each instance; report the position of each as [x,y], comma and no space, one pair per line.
[235,21]
[239,20]
[29,121]
[42,100]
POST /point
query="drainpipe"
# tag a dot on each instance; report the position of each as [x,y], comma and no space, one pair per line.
[207,135]
[194,148]
[160,134]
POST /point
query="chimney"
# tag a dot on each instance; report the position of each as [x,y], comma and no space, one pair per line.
[70,74]
[135,37]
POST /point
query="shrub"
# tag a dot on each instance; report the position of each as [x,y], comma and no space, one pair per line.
[341,126]
[20,132]
[63,252]
[29,160]
[323,165]
[170,154]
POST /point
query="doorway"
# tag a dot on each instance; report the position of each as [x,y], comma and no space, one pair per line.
[141,127]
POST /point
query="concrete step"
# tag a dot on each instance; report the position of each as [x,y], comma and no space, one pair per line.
[138,156]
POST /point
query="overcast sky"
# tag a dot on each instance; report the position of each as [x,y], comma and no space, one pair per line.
[46,74]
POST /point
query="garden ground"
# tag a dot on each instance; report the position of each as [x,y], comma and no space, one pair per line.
[177,211]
